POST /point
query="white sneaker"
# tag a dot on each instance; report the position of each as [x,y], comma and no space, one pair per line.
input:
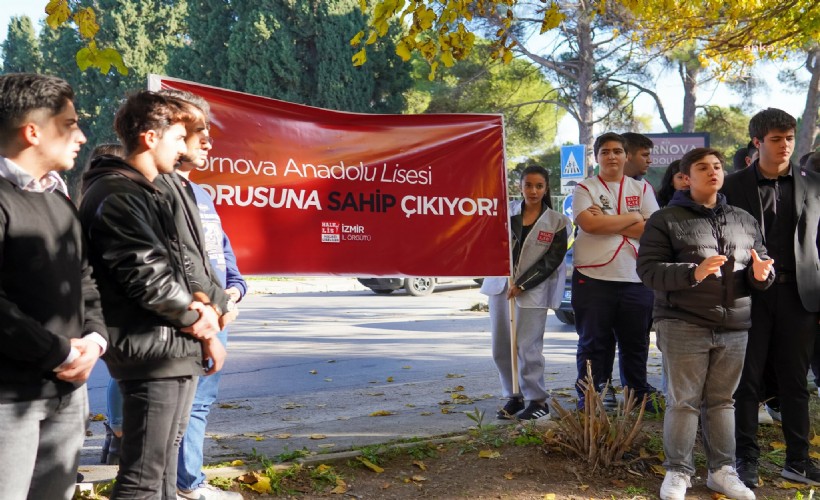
[206,491]
[763,416]
[674,485]
[726,481]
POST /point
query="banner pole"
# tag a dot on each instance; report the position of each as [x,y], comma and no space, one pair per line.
[513,341]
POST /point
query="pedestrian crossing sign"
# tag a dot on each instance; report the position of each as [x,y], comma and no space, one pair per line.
[573,167]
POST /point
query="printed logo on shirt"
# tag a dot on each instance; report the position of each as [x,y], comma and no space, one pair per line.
[605,204]
[331,232]
[633,202]
[545,237]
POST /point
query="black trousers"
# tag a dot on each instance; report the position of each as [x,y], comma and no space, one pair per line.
[606,313]
[155,416]
[782,332]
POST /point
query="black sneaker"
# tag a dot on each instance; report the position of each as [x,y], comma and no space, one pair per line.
[747,472]
[534,411]
[802,471]
[513,406]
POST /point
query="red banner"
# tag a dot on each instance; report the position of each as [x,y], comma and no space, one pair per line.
[309,191]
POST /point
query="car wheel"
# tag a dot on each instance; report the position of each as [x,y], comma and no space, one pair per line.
[419,287]
[566,317]
[382,292]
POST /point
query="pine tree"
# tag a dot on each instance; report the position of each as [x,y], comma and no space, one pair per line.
[203,56]
[21,52]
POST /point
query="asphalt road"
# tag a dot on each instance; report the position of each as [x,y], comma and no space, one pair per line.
[308,368]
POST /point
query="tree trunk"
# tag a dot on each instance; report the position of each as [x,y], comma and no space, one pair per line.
[809,123]
[689,71]
[586,70]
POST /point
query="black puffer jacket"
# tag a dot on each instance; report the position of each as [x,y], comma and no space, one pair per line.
[678,238]
[138,263]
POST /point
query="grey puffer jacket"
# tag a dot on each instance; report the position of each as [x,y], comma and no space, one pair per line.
[678,238]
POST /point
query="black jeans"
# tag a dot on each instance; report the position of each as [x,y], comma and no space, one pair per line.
[783,332]
[607,312]
[155,416]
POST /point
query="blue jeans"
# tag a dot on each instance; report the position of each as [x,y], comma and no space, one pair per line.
[189,464]
[702,368]
[40,445]
[114,405]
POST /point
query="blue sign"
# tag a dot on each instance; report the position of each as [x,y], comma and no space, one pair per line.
[573,167]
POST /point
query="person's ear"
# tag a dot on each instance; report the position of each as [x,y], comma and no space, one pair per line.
[149,139]
[31,134]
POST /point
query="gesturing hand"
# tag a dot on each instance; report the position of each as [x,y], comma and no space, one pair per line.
[761,268]
[710,265]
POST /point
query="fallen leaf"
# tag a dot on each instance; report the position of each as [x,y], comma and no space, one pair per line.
[815,455]
[313,372]
[341,487]
[374,394]
[583,487]
[291,406]
[419,464]
[418,478]
[425,413]
[789,485]
[370,465]
[509,476]
[457,388]
[386,485]
[381,413]
[318,436]
[283,435]
[237,463]
[228,406]
[99,417]
[777,445]
[619,483]
[717,496]
[262,486]
[815,441]
[643,453]
[406,367]
[327,445]
[389,379]
[410,405]
[259,438]
[454,375]
[445,410]
[322,468]
[549,496]
[658,470]
[328,379]
[249,478]
[488,454]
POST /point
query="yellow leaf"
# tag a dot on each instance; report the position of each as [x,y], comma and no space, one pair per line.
[227,406]
[249,478]
[406,367]
[112,57]
[381,413]
[509,476]
[360,57]
[58,13]
[372,38]
[789,485]
[454,375]
[370,465]
[717,496]
[552,18]
[447,59]
[322,468]
[815,441]
[549,496]
[237,463]
[658,470]
[419,464]
[507,57]
[815,455]
[341,487]
[318,436]
[777,445]
[583,487]
[432,75]
[262,485]
[259,438]
[488,454]
[99,417]
[284,435]
[86,22]
[85,58]
[363,5]
[418,479]
[356,40]
[389,379]
[313,372]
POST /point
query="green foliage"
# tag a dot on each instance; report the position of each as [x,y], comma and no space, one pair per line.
[20,50]
[549,159]
[728,128]
[289,456]
[481,84]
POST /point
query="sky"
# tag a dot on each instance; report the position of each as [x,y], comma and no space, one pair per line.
[668,85]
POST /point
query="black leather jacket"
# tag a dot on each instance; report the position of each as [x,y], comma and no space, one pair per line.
[139,265]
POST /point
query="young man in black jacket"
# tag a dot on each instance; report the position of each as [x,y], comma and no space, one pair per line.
[702,258]
[785,201]
[51,325]
[160,333]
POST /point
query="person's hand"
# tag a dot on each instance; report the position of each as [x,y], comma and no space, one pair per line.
[228,318]
[80,369]
[514,291]
[233,293]
[710,265]
[595,210]
[207,326]
[761,268]
[213,355]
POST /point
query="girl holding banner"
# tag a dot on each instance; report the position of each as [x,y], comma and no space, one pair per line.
[539,244]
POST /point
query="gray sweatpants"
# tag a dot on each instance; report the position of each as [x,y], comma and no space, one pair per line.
[529,326]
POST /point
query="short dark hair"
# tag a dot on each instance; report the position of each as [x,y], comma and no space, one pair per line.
[189,98]
[609,136]
[538,169]
[770,119]
[697,154]
[22,93]
[635,141]
[144,111]
[739,159]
